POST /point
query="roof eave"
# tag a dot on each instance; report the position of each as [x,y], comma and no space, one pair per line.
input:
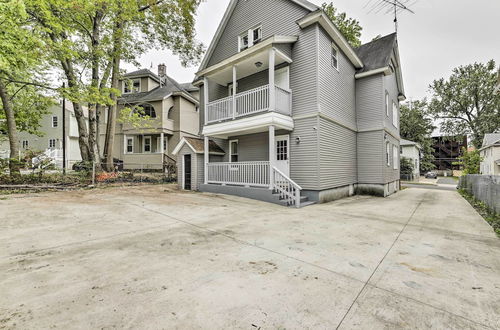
[322,19]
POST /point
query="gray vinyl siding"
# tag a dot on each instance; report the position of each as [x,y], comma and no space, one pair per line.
[390,85]
[200,169]
[390,174]
[285,49]
[253,81]
[371,157]
[304,73]
[252,147]
[337,87]
[277,17]
[338,164]
[304,157]
[370,102]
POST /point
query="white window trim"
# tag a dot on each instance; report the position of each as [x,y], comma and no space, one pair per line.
[395,162]
[249,34]
[133,147]
[231,150]
[395,114]
[387,103]
[334,47]
[150,144]
[55,143]
[388,153]
[25,144]
[132,86]
[57,121]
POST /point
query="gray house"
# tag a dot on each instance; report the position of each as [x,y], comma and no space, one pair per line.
[299,114]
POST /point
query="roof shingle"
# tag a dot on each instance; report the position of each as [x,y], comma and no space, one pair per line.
[377,53]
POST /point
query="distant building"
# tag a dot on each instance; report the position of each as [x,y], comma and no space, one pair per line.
[411,150]
[448,150]
[490,152]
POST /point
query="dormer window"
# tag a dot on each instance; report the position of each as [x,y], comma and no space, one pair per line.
[249,38]
[145,110]
[132,86]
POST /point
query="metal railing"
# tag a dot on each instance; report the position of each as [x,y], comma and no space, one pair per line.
[287,189]
[242,173]
[249,102]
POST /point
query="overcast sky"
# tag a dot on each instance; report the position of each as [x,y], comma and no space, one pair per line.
[441,35]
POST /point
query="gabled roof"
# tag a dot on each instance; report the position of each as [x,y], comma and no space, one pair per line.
[404,142]
[189,87]
[225,19]
[491,139]
[198,146]
[377,53]
[172,87]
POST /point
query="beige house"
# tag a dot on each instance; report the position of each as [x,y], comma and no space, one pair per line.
[490,153]
[154,114]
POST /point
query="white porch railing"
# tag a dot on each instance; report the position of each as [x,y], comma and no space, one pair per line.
[49,157]
[249,102]
[241,173]
[288,190]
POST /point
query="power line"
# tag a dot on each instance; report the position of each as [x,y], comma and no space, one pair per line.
[394,7]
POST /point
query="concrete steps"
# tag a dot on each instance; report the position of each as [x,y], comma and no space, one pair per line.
[304,201]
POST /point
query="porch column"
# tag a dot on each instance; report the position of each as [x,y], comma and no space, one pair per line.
[124,144]
[205,98]
[272,90]
[272,156]
[162,143]
[235,79]
[206,155]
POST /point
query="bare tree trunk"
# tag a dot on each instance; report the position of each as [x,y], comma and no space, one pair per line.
[14,165]
[111,127]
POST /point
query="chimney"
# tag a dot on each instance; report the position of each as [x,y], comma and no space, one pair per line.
[162,73]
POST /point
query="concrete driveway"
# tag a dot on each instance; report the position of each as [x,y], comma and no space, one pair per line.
[153,257]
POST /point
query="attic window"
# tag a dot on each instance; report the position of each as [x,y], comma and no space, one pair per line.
[132,86]
[335,57]
[249,38]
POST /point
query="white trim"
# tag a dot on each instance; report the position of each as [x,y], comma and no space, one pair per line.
[388,153]
[323,20]
[262,121]
[183,141]
[57,121]
[126,145]
[287,139]
[132,89]
[55,143]
[277,39]
[395,158]
[334,47]
[395,116]
[225,20]
[385,70]
[231,149]
[144,144]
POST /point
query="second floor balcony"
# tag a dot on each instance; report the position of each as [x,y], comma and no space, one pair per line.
[250,102]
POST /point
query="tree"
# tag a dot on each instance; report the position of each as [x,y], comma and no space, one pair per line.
[466,103]
[349,27]
[21,57]
[470,161]
[417,126]
[406,166]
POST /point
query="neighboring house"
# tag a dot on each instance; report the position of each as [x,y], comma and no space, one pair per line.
[490,152]
[4,146]
[170,111]
[51,141]
[411,150]
[298,112]
[447,151]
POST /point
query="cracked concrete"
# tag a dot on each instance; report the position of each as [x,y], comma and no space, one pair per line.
[153,257]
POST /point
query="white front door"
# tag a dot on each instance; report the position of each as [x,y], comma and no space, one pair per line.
[282,149]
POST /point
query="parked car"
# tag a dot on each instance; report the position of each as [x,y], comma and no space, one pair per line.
[431,175]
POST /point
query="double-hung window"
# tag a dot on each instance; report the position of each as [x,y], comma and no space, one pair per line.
[55,121]
[233,151]
[52,143]
[25,144]
[388,153]
[147,144]
[249,38]
[132,86]
[387,104]
[395,161]
[130,145]
[335,57]
[394,114]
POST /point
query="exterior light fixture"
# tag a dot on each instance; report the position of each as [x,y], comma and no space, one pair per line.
[258,64]
[297,140]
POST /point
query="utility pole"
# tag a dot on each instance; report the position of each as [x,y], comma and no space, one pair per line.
[64,130]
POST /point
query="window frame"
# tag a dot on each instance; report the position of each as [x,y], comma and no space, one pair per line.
[124,90]
[395,163]
[50,143]
[150,138]
[388,153]
[387,113]
[25,144]
[132,145]
[55,123]
[231,153]
[249,35]
[395,111]
[335,57]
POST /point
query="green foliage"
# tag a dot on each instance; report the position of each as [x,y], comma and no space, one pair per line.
[491,217]
[470,161]
[135,117]
[417,126]
[349,27]
[407,165]
[466,103]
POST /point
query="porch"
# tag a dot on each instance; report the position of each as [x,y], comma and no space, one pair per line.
[145,151]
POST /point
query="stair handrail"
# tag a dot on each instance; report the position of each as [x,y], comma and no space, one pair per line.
[290,193]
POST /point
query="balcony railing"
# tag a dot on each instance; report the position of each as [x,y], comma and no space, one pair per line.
[249,102]
[241,173]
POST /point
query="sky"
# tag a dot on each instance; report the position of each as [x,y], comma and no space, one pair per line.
[441,35]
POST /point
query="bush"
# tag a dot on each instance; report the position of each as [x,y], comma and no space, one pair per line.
[491,217]
[407,166]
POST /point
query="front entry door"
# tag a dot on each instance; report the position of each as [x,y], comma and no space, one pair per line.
[282,149]
[187,172]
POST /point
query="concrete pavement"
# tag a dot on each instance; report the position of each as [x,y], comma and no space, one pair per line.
[153,257]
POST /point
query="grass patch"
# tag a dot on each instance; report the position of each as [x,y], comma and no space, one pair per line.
[491,217]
